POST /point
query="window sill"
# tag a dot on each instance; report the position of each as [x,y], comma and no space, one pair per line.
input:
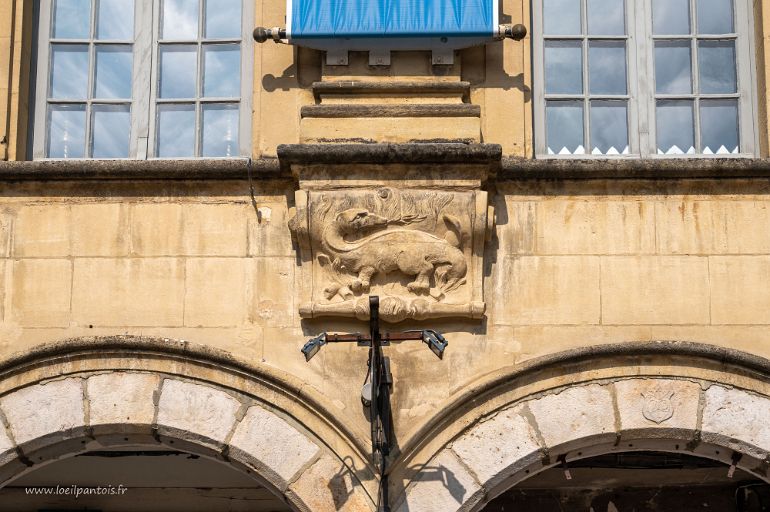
[153,169]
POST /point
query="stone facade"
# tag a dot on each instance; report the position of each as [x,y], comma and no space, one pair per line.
[590,307]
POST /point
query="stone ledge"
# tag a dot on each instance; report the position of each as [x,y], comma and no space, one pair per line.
[390,87]
[521,169]
[433,153]
[190,169]
[424,110]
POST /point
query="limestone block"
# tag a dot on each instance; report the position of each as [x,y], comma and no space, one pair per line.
[120,397]
[41,292]
[215,230]
[42,231]
[329,485]
[737,224]
[389,129]
[443,485]
[574,414]
[216,292]
[7,220]
[160,229]
[685,227]
[595,226]
[128,292]
[272,445]
[498,446]
[7,447]
[516,231]
[269,235]
[738,419]
[665,405]
[274,292]
[547,290]
[739,291]
[54,407]
[157,229]
[195,411]
[655,290]
[100,229]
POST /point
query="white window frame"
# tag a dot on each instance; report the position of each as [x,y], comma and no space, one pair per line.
[145,76]
[641,72]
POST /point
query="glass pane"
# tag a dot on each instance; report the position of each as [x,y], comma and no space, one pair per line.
[69,71]
[176,130]
[719,126]
[220,130]
[673,68]
[222,75]
[66,131]
[110,126]
[72,19]
[563,67]
[178,71]
[564,127]
[115,19]
[715,16]
[716,65]
[674,122]
[180,19]
[670,17]
[561,17]
[113,71]
[609,128]
[223,19]
[607,67]
[606,17]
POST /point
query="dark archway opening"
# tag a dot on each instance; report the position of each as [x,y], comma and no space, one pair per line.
[637,482]
[138,479]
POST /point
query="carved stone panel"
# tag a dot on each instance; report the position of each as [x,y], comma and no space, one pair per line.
[419,249]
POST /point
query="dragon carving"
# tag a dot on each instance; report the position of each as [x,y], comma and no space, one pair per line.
[361,244]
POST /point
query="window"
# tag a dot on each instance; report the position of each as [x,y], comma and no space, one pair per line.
[114,84]
[643,78]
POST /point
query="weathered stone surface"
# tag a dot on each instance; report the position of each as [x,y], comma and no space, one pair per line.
[275,292]
[196,410]
[42,409]
[661,404]
[121,398]
[272,445]
[574,414]
[7,447]
[41,292]
[737,418]
[190,229]
[547,290]
[595,226]
[498,446]
[444,485]
[42,230]
[655,290]
[100,229]
[216,292]
[739,294]
[329,485]
[128,292]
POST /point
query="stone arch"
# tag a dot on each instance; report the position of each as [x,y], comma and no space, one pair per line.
[87,394]
[715,405]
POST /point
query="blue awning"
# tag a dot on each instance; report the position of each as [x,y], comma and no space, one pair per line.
[390,19]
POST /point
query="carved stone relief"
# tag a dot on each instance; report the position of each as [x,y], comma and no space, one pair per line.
[658,406]
[420,250]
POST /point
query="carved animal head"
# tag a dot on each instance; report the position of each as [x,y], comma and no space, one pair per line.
[354,220]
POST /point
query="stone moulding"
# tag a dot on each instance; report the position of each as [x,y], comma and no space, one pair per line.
[405,222]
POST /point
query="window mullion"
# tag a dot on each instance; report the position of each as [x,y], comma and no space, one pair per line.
[586,84]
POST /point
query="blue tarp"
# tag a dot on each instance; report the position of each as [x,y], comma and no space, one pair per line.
[334,19]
